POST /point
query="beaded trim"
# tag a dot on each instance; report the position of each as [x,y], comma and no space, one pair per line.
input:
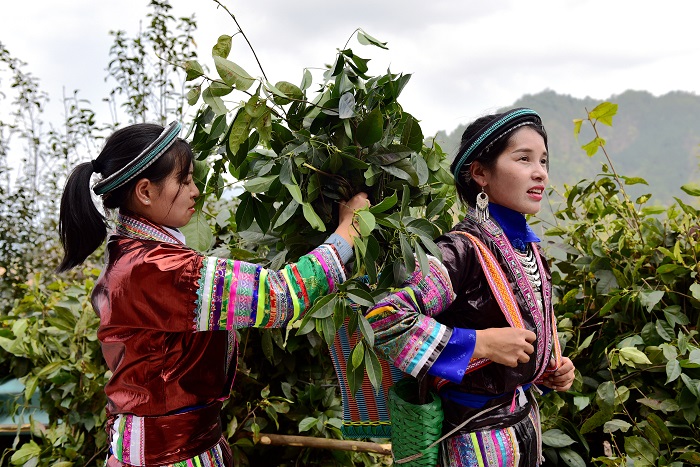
[141,162]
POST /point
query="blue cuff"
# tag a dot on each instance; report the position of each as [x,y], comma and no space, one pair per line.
[454,358]
[344,249]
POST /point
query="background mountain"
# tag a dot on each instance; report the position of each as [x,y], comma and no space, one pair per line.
[656,138]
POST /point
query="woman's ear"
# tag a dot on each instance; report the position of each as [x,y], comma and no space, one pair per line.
[143,192]
[479,173]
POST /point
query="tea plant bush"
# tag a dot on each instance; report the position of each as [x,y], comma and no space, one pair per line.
[627,283]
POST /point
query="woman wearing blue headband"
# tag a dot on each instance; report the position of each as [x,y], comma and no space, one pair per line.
[480,323]
[167,313]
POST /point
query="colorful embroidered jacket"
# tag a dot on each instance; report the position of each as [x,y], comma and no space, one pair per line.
[167,320]
[422,337]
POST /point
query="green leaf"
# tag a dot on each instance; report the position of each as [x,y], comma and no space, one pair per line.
[660,427]
[312,218]
[259,184]
[306,79]
[616,424]
[262,217]
[366,221]
[423,262]
[609,305]
[193,70]
[307,423]
[25,453]
[346,107]
[267,347]
[633,180]
[412,135]
[385,204]
[571,458]
[693,189]
[197,232]
[603,112]
[640,450]
[371,128]
[592,147]
[232,74]
[222,47]
[606,281]
[373,368]
[357,355]
[215,102]
[240,129]
[408,259]
[577,126]
[365,39]
[673,370]
[695,290]
[284,92]
[295,191]
[556,438]
[244,213]
[649,298]
[634,356]
[286,214]
[691,456]
[366,329]
[361,297]
[328,329]
[597,419]
[193,94]
[435,207]
[324,306]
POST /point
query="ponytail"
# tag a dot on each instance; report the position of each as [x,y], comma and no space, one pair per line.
[159,152]
[81,226]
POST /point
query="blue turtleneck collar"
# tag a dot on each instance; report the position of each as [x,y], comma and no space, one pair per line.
[514,226]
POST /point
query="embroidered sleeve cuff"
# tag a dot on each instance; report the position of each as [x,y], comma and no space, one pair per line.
[344,249]
[452,362]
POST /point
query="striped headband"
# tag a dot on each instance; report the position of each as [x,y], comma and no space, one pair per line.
[508,122]
[141,162]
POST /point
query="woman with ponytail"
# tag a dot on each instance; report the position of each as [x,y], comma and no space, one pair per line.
[168,314]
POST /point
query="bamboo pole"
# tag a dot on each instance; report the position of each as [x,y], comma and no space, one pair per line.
[324,443]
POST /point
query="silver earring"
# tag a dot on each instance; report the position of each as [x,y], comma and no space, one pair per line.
[482,206]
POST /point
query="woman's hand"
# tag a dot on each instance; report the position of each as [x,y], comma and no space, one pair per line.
[346,228]
[507,346]
[563,378]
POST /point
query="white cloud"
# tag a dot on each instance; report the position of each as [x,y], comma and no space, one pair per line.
[467,57]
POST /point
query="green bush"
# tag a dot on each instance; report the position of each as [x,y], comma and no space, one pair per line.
[626,278]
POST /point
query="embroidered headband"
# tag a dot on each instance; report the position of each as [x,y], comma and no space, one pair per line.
[141,162]
[481,141]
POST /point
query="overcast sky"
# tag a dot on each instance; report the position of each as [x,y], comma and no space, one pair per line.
[467,57]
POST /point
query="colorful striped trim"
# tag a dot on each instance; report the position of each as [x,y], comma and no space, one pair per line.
[365,413]
[488,132]
[211,458]
[501,289]
[127,441]
[128,226]
[235,294]
[487,448]
[141,162]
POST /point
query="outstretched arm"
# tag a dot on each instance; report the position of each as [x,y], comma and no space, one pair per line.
[236,294]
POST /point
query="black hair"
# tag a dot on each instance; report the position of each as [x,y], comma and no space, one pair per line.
[82,227]
[467,188]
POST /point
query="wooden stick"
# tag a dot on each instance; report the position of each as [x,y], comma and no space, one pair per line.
[324,443]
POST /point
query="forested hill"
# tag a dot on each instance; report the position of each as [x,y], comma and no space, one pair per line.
[656,138]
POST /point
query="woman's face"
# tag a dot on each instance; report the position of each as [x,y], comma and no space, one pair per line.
[519,176]
[173,204]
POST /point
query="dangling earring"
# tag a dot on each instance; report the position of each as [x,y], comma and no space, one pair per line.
[482,206]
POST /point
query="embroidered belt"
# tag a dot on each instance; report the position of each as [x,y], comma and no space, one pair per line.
[164,439]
